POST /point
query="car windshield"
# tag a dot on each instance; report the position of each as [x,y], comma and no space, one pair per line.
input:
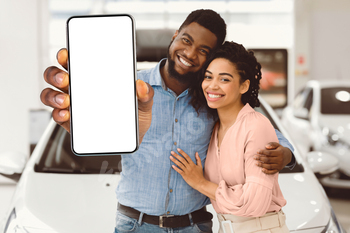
[58,157]
[335,100]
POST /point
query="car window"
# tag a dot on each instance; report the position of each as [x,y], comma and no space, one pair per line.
[303,99]
[59,158]
[335,100]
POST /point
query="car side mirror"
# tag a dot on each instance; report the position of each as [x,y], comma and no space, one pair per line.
[301,113]
[12,164]
[322,163]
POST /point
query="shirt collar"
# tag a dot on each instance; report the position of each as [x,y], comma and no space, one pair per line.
[156,78]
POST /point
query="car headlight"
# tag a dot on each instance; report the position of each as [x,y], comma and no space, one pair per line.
[333,225]
[12,224]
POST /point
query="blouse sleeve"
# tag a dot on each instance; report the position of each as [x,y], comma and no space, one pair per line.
[253,198]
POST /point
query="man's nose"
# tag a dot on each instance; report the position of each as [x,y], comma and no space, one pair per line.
[191,53]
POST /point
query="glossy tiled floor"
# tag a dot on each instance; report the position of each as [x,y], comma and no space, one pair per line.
[340,201]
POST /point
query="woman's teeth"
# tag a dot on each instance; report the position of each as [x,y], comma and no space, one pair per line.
[214,96]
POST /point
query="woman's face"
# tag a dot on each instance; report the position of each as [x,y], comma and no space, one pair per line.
[221,84]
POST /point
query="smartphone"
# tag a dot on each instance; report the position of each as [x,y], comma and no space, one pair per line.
[102,76]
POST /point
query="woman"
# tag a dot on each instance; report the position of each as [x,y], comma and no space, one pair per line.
[245,198]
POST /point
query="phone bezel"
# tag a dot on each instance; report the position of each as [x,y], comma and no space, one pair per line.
[135,78]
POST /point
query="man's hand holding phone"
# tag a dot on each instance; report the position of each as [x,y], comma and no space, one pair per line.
[59,100]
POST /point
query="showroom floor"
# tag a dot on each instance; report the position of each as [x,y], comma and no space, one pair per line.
[340,200]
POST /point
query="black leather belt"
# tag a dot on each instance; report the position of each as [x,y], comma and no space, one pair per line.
[168,221]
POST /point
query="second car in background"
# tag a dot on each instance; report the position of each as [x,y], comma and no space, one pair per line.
[319,119]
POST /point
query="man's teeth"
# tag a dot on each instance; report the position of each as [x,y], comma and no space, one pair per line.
[185,62]
[214,96]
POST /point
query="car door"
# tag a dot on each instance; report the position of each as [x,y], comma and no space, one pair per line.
[296,118]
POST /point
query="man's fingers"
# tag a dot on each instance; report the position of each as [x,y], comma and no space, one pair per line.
[266,166]
[266,159]
[269,172]
[62,57]
[144,95]
[267,153]
[272,145]
[61,117]
[57,78]
[54,98]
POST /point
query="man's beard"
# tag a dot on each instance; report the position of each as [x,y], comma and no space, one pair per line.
[187,78]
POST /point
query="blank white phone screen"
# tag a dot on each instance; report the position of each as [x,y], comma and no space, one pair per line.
[102,84]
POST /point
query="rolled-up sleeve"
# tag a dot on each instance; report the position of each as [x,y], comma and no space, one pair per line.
[253,198]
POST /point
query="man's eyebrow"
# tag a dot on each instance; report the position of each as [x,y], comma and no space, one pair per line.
[191,39]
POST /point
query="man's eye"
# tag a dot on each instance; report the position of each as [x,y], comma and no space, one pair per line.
[204,52]
[186,40]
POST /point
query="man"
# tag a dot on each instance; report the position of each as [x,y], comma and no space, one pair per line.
[153,197]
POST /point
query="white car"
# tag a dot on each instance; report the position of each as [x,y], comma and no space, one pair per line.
[319,119]
[59,192]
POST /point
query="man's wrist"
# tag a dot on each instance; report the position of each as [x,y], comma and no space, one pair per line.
[288,155]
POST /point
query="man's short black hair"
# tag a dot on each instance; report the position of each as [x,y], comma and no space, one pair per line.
[210,20]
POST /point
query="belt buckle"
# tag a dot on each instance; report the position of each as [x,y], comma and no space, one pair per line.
[161,219]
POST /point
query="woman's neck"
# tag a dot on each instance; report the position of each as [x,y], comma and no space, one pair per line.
[228,115]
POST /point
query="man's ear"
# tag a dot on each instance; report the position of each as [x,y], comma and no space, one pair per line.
[175,35]
[245,86]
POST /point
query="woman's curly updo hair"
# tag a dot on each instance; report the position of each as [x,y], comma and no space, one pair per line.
[247,67]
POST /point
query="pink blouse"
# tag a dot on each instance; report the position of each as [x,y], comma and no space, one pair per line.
[244,190]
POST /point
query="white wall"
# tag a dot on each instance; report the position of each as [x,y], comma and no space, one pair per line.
[322,38]
[23,49]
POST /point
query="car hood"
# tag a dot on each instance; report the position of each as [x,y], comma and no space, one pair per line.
[307,205]
[337,124]
[69,202]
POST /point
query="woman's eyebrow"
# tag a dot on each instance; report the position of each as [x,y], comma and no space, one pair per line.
[226,74]
[207,71]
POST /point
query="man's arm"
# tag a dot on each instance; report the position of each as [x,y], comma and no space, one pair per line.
[59,100]
[276,156]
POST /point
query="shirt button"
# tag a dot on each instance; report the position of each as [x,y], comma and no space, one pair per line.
[175,143]
[171,190]
[176,120]
[168,212]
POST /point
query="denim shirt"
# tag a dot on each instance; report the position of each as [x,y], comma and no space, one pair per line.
[148,182]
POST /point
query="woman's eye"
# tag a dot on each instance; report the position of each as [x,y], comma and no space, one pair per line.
[207,77]
[225,80]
